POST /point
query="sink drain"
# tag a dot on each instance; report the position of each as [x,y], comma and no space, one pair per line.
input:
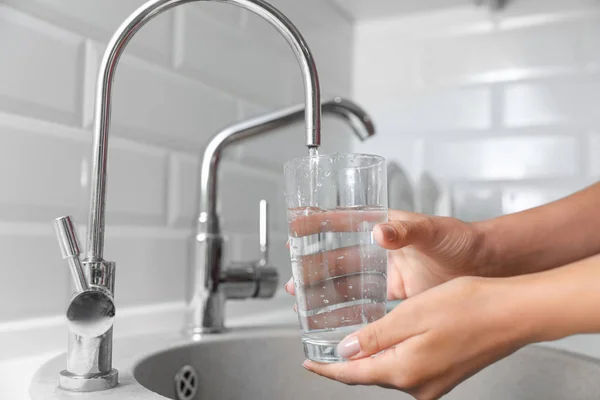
[186,383]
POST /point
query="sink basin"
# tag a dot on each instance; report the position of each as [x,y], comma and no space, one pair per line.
[270,368]
[264,363]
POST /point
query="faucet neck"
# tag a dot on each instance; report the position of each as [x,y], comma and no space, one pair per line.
[95,235]
[357,118]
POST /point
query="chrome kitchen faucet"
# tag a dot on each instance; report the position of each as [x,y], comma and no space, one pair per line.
[91,311]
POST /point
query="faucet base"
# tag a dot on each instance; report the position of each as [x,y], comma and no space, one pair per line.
[90,383]
[197,333]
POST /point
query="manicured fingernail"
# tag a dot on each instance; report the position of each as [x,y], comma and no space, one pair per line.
[389,233]
[306,365]
[288,286]
[348,347]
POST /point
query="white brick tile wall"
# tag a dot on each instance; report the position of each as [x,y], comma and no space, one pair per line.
[504,55]
[262,65]
[519,199]
[244,246]
[151,264]
[506,158]
[40,170]
[488,200]
[551,102]
[495,200]
[591,42]
[466,108]
[186,75]
[100,19]
[183,189]
[384,69]
[154,104]
[593,155]
[41,68]
[34,277]
[495,106]
[137,183]
[226,13]
[240,190]
[54,165]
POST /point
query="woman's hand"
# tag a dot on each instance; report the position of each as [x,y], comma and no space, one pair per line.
[433,341]
[424,251]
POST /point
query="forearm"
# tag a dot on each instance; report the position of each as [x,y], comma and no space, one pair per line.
[554,304]
[544,237]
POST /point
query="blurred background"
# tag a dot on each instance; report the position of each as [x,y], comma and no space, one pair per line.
[482,108]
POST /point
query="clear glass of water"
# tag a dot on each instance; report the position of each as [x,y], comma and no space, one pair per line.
[340,273]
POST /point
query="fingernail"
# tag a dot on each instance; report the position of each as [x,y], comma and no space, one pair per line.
[348,347]
[389,233]
[288,287]
[306,365]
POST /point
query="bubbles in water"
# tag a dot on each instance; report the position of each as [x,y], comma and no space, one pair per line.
[331,247]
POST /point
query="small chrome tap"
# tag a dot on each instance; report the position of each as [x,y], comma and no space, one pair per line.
[90,317]
[211,283]
[89,357]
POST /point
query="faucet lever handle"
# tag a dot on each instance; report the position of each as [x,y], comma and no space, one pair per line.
[69,247]
[263,232]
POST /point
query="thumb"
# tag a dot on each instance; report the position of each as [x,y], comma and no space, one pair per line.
[394,235]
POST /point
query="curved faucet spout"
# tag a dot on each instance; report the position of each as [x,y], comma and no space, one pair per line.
[95,234]
[360,122]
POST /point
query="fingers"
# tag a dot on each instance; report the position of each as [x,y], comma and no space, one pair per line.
[379,335]
[289,287]
[341,261]
[343,289]
[328,265]
[334,221]
[377,370]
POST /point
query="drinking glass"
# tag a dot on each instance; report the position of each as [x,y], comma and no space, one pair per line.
[340,273]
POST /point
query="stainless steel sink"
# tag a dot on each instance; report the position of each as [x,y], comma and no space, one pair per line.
[265,368]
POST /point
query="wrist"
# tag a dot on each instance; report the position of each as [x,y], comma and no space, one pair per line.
[533,303]
[510,311]
[489,257]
